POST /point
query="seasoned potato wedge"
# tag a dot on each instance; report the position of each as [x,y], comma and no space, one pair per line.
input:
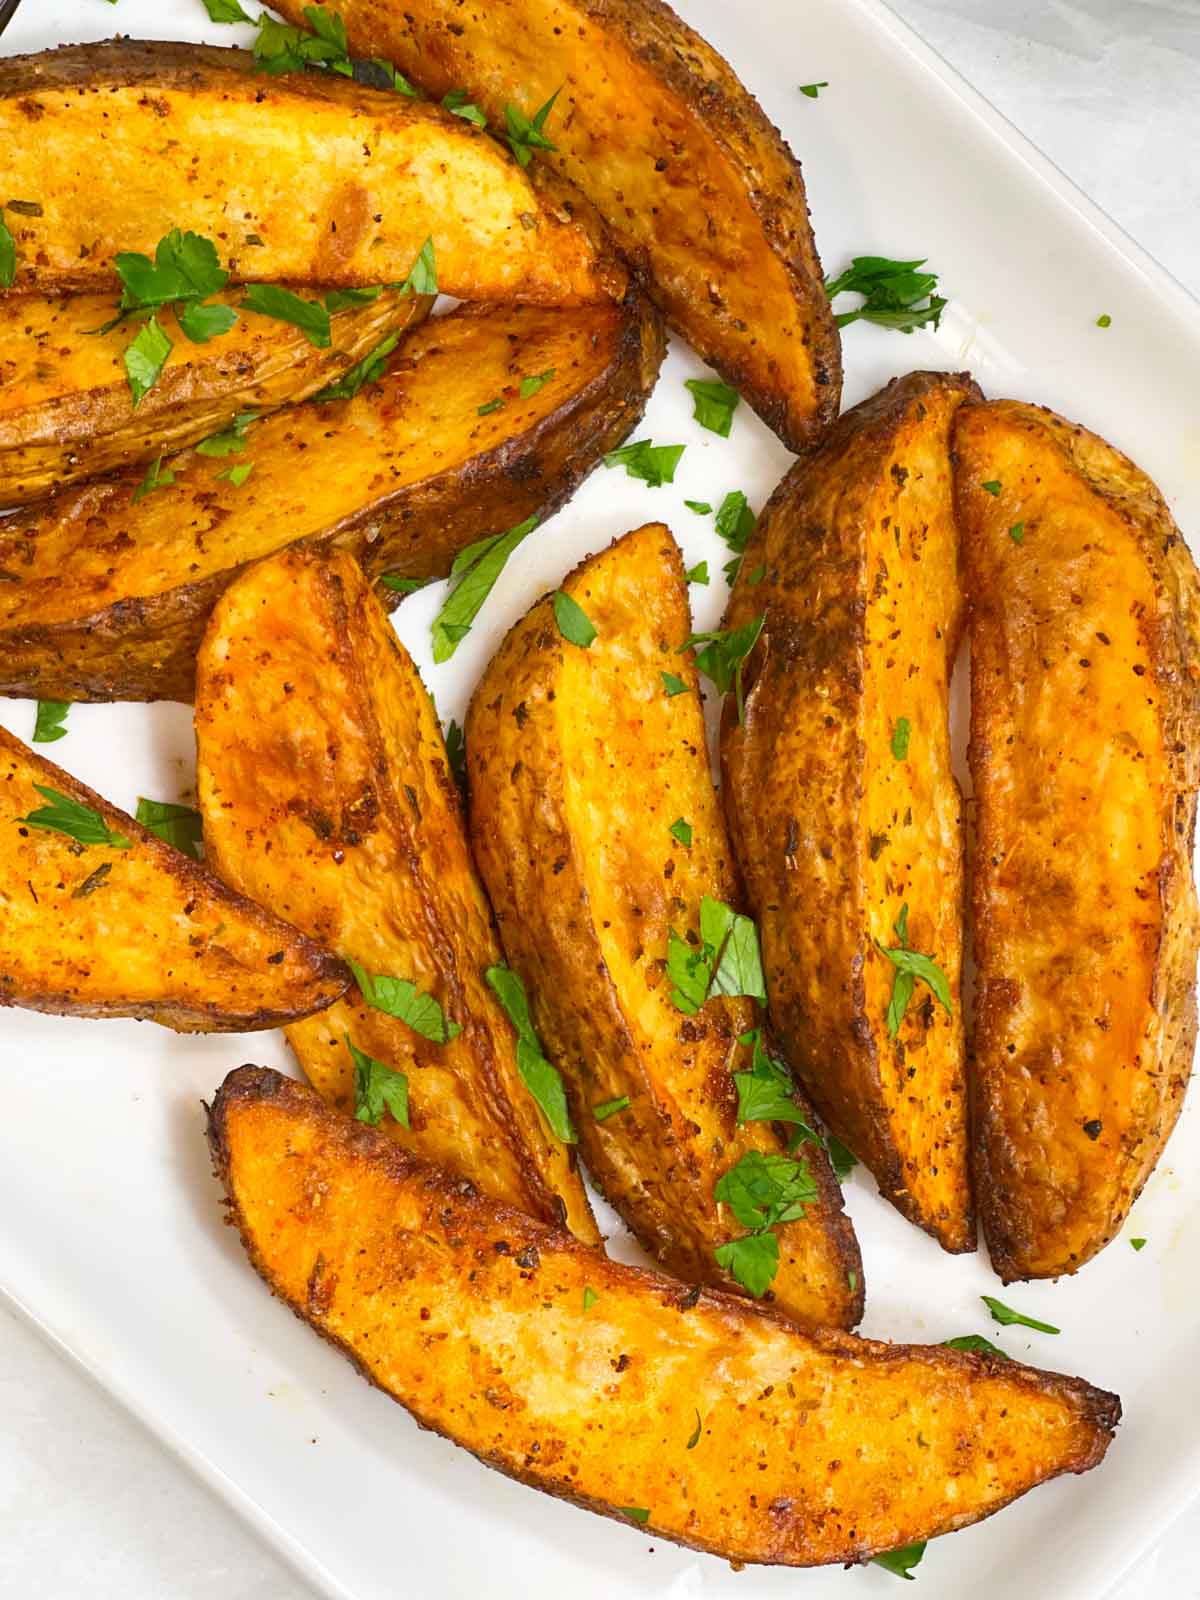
[650,123]
[1085,760]
[105,597]
[107,920]
[66,412]
[308,178]
[708,1420]
[327,795]
[839,791]
[580,762]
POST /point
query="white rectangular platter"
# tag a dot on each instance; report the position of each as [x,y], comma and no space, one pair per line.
[110,1224]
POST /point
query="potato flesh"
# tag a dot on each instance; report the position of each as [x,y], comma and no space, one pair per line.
[327,796]
[806,1448]
[1085,739]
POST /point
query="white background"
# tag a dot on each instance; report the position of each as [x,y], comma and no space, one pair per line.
[91,1506]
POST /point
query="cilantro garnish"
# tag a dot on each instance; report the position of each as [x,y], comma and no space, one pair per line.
[589,1297]
[765,1092]
[673,685]
[1017,533]
[535,381]
[477,568]
[397,997]
[77,821]
[891,292]
[993,487]
[714,406]
[237,472]
[700,507]
[540,1077]
[1104,320]
[377,1088]
[145,358]
[638,1513]
[176,825]
[1138,1244]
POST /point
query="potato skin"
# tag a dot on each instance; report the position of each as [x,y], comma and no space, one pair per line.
[102,598]
[326,795]
[697,187]
[66,412]
[307,178]
[472,1316]
[1085,760]
[579,763]
[832,832]
[144,932]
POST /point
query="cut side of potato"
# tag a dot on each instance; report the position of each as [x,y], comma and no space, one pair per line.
[1085,760]
[599,835]
[308,178]
[698,1416]
[654,127]
[66,411]
[327,795]
[104,596]
[107,920]
[843,808]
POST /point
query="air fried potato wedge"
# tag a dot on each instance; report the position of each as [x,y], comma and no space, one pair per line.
[1085,759]
[841,801]
[105,598]
[579,764]
[308,178]
[137,929]
[66,412]
[709,1420]
[696,185]
[327,795]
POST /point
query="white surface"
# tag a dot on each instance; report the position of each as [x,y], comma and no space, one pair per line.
[89,1506]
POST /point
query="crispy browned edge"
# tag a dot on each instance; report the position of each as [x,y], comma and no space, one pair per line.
[326,969]
[145,649]
[871,420]
[1097,1407]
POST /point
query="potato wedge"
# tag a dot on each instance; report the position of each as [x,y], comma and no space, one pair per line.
[696,185]
[326,795]
[66,411]
[128,926]
[579,764]
[839,791]
[1085,761]
[308,178]
[104,597]
[708,1420]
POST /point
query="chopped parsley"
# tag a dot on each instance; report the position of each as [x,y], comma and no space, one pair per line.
[813,90]
[762,1191]
[157,477]
[1138,1244]
[534,381]
[911,966]
[232,441]
[993,487]
[700,507]
[145,358]
[573,621]
[714,404]
[237,472]
[310,316]
[891,291]
[540,1077]
[186,270]
[638,1513]
[526,134]
[489,406]
[589,1298]
[338,299]
[902,1561]
[456,754]
[901,732]
[1007,1317]
[225,11]
[460,103]
[673,685]
[377,1088]
[725,959]
[70,817]
[681,830]
[1104,320]
[765,1092]
[735,523]
[976,1343]
[422,275]
[8,255]
[476,568]
[697,574]
[397,997]
[369,370]
[399,585]
[841,1157]
[1017,533]
[610,1108]
[653,463]
[724,656]
[48,725]
[181,826]
[694,1437]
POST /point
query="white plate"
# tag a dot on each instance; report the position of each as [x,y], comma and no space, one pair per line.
[110,1226]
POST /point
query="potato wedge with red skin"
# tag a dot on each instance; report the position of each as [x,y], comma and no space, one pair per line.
[842,805]
[1085,761]
[695,184]
[306,178]
[806,1448]
[326,795]
[580,763]
[104,597]
[139,931]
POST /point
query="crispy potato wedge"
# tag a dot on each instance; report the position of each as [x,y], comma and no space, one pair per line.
[327,795]
[134,928]
[579,764]
[709,1420]
[839,791]
[697,186]
[104,597]
[308,178]
[1085,761]
[66,412]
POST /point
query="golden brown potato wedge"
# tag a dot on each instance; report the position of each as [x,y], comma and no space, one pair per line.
[66,412]
[308,178]
[705,1419]
[104,597]
[107,920]
[696,185]
[580,763]
[326,795]
[1085,760]
[839,791]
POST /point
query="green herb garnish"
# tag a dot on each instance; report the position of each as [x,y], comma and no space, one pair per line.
[715,404]
[765,1092]
[901,732]
[77,821]
[1017,533]
[48,724]
[535,381]
[460,103]
[397,997]
[694,1437]
[673,685]
[653,463]
[993,486]
[338,299]
[724,656]
[490,406]
[700,507]
[813,90]
[902,1561]
[232,441]
[176,825]
[1138,1244]
[910,966]
[225,11]
[476,568]
[573,621]
[369,370]
[638,1513]
[456,754]
[976,1343]
[726,959]
[891,291]
[540,1077]
[422,275]
[841,1157]
[269,300]
[681,830]
[526,134]
[377,1088]
[1104,320]
[237,473]
[1007,1317]
[589,1298]
[8,255]
[399,585]
[610,1108]
[762,1191]
[697,574]
[145,358]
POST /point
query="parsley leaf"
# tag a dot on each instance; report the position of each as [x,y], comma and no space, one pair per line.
[714,406]
[377,1088]
[694,1437]
[1138,1244]
[338,299]
[653,463]
[180,826]
[891,292]
[540,1077]
[157,477]
[232,441]
[489,406]
[398,585]
[673,685]
[735,523]
[369,370]
[237,473]
[589,1297]
[573,621]
[460,103]
[765,1092]
[397,997]
[681,830]
[79,822]
[902,1561]
[752,1261]
[1017,533]
[535,381]
[1104,320]
[527,134]
[8,255]
[813,90]
[977,1343]
[638,1513]
[910,966]
[477,568]
[186,267]
[422,275]
[225,11]
[993,487]
[609,1108]
[280,48]
[735,939]
[202,323]
[765,1190]
[901,732]
[700,507]
[697,574]
[145,358]
[690,970]
[269,300]
[1007,1317]
[841,1157]
[456,754]
[724,656]
[48,725]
